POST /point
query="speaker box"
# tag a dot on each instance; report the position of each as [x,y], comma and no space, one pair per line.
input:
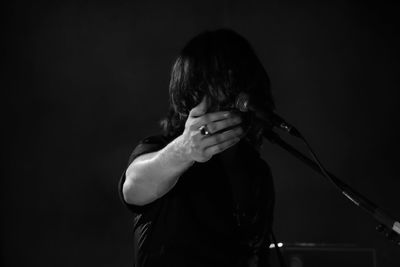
[323,255]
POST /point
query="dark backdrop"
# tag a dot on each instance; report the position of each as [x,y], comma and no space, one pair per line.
[84,81]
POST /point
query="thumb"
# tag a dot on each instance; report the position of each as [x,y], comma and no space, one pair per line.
[200,109]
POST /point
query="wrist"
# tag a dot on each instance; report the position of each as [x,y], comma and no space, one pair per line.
[180,152]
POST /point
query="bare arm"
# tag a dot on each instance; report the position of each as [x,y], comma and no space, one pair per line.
[152,175]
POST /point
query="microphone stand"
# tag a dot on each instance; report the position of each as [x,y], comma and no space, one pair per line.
[387,225]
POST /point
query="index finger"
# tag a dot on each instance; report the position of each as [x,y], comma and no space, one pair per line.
[211,117]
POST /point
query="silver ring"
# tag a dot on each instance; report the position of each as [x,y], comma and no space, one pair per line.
[204,130]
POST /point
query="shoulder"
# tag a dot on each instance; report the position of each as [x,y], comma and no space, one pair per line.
[154,139]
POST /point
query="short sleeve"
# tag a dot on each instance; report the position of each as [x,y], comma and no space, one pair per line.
[147,145]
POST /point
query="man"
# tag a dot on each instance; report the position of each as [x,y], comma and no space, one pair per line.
[199,191]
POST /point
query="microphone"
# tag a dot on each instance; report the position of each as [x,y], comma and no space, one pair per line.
[245,104]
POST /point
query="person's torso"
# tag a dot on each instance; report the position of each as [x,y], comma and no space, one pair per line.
[204,213]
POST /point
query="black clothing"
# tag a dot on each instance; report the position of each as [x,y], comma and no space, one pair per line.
[215,215]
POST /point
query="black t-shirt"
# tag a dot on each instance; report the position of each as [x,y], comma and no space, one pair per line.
[217,214]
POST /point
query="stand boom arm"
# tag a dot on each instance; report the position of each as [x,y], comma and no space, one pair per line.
[358,199]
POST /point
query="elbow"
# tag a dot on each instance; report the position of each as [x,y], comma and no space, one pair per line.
[127,192]
[133,195]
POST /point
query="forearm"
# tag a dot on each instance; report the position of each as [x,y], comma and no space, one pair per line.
[152,175]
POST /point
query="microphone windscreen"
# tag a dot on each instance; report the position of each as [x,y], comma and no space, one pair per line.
[242,102]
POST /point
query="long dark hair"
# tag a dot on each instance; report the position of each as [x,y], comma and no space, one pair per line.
[218,64]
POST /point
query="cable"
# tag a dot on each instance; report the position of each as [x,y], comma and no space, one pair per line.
[318,162]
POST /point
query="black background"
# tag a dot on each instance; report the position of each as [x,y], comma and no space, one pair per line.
[84,81]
